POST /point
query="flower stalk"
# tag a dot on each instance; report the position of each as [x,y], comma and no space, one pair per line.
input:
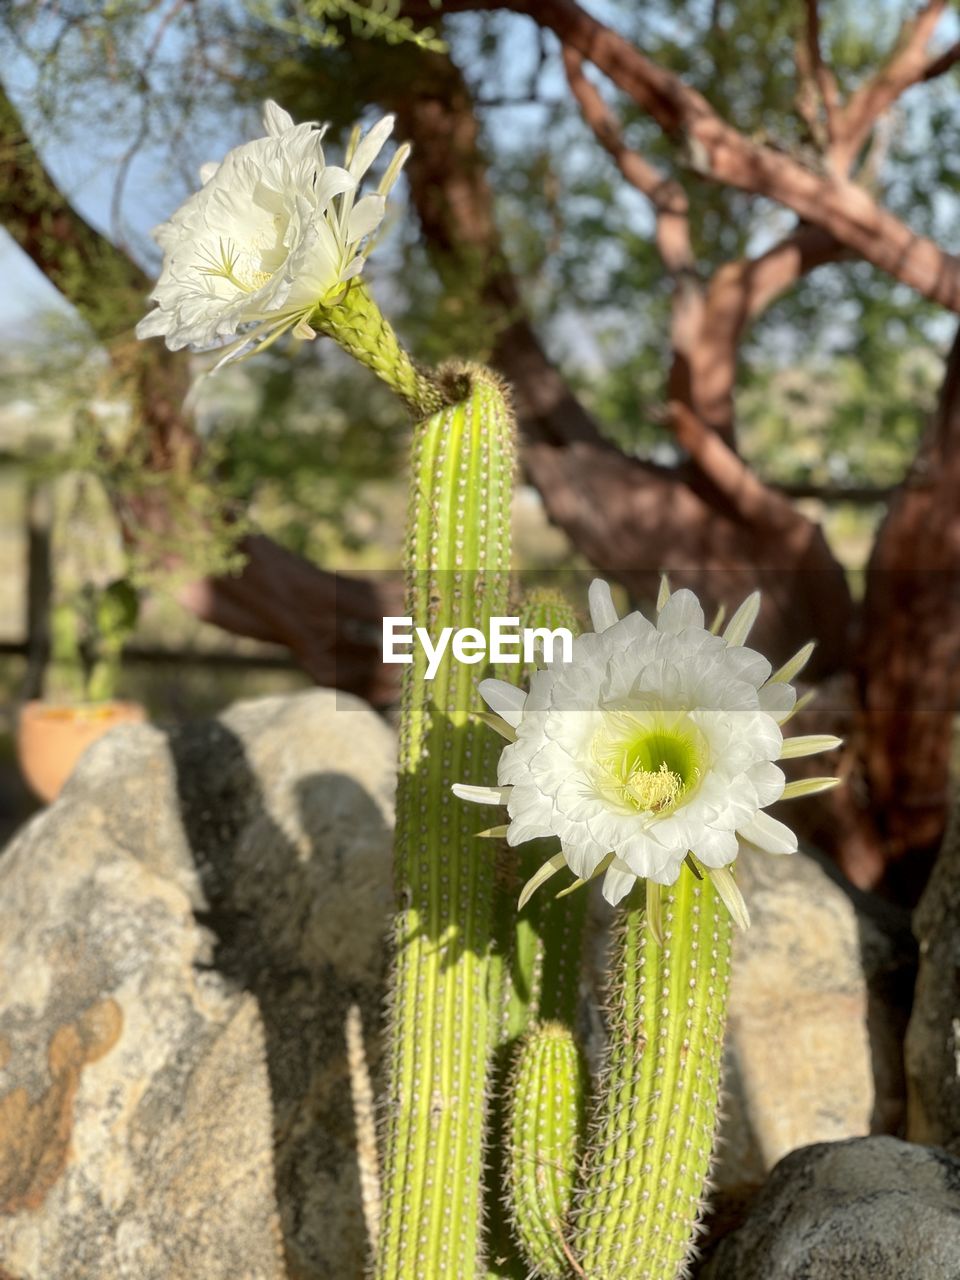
[357,324]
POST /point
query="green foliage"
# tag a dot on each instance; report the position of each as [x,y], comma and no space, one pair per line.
[317,22]
[851,422]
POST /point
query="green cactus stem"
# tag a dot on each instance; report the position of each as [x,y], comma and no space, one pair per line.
[457,564]
[655,1119]
[359,326]
[544,1133]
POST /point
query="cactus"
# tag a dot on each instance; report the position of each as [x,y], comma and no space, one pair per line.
[544,1132]
[654,1122]
[540,946]
[457,563]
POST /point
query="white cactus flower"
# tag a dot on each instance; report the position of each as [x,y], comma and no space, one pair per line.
[273,233]
[654,746]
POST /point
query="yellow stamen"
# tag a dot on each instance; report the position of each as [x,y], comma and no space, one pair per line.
[653,791]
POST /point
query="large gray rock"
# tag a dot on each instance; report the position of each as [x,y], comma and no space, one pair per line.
[933,1038]
[181,937]
[866,1209]
[818,1009]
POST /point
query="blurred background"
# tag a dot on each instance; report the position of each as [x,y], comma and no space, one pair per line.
[730,358]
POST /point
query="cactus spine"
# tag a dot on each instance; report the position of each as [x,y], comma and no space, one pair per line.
[655,1119]
[457,563]
[545,1128]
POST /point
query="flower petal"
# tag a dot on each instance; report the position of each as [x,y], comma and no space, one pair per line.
[617,882]
[739,626]
[540,876]
[603,613]
[809,744]
[769,835]
[730,895]
[275,119]
[777,700]
[793,666]
[808,787]
[481,795]
[681,611]
[505,700]
[369,146]
[366,216]
[768,781]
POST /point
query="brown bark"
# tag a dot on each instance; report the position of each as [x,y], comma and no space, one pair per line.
[737,293]
[910,651]
[330,622]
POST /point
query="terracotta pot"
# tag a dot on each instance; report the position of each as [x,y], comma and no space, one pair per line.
[51,739]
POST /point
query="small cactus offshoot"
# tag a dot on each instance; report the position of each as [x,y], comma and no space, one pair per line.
[544,1133]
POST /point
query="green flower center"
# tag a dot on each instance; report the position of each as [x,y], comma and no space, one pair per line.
[648,761]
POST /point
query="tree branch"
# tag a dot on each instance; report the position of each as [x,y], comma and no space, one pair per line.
[667,196]
[907,65]
[720,153]
[818,82]
[105,286]
[716,528]
[941,64]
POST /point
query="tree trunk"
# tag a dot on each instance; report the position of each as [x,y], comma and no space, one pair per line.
[909,659]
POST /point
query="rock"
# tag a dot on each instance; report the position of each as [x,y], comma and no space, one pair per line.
[933,1037]
[182,936]
[865,1209]
[818,1009]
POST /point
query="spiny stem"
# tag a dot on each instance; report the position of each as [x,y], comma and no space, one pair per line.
[547,1096]
[457,564]
[653,1129]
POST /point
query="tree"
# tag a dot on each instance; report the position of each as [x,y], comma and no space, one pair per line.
[696,91]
